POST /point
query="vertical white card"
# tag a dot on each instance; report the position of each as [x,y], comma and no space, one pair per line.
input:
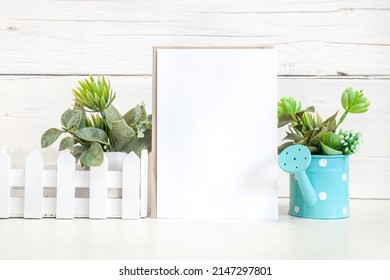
[216,132]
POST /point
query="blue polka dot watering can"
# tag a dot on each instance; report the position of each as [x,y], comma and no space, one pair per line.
[319,184]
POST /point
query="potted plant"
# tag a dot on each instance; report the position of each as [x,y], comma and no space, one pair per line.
[94,126]
[316,154]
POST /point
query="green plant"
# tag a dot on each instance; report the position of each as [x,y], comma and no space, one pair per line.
[95,126]
[307,128]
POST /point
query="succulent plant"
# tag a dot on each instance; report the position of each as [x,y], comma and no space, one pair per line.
[101,128]
[95,95]
[306,127]
[353,101]
[349,141]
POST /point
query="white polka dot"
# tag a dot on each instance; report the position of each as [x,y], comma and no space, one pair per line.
[296,177]
[345,211]
[296,209]
[344,177]
[323,195]
[323,162]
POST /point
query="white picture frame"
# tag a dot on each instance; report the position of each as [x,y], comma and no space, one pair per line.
[214,132]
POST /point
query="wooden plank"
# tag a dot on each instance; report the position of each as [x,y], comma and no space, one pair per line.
[312,38]
[98,191]
[5,187]
[33,192]
[153,11]
[131,187]
[65,186]
[144,183]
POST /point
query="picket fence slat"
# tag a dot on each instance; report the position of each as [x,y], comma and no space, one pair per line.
[5,187]
[131,187]
[45,186]
[144,183]
[33,192]
[98,191]
[65,186]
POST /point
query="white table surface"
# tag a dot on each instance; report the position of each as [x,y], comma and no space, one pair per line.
[366,235]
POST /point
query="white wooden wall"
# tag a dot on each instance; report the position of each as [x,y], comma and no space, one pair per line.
[324,46]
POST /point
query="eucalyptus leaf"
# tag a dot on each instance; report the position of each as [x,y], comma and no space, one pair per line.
[92,134]
[94,156]
[136,114]
[50,136]
[71,118]
[78,150]
[112,115]
[67,143]
[139,144]
[121,135]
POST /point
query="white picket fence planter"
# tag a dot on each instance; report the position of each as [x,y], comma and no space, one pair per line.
[37,178]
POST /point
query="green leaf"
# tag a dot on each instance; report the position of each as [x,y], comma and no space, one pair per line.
[50,136]
[136,114]
[331,144]
[139,144]
[121,135]
[292,136]
[284,146]
[288,105]
[78,150]
[359,108]
[92,134]
[353,101]
[330,122]
[344,99]
[310,109]
[326,150]
[112,115]
[67,143]
[315,138]
[71,118]
[313,150]
[83,121]
[94,156]
[285,119]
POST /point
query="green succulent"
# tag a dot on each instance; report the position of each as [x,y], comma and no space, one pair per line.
[349,141]
[306,127]
[96,95]
[288,105]
[353,101]
[103,130]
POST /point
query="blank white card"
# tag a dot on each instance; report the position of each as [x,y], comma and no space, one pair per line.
[216,132]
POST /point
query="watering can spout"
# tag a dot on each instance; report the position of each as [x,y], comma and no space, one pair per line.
[294,160]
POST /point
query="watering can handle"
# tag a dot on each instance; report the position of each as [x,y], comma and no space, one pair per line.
[308,194]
